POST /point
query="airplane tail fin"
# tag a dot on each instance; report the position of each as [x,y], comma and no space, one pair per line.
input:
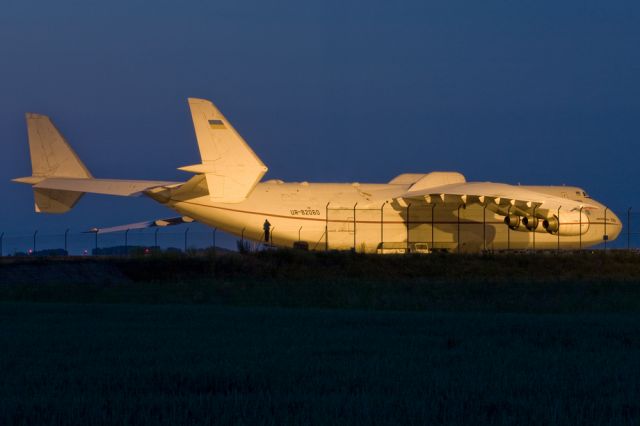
[230,166]
[59,179]
[51,156]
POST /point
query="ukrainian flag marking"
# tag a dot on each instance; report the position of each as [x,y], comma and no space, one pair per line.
[216,124]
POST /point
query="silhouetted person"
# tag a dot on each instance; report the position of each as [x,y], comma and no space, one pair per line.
[266,227]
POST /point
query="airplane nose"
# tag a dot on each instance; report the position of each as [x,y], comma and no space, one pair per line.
[614,225]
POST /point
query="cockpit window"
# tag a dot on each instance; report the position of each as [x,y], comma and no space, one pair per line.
[584,194]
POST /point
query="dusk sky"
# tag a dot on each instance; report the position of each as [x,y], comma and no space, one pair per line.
[531,92]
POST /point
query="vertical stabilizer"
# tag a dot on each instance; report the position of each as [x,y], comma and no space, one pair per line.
[51,155]
[230,166]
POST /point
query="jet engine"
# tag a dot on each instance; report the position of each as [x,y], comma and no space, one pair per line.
[568,223]
[531,223]
[515,222]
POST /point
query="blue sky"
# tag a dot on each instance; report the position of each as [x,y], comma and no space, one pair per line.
[536,92]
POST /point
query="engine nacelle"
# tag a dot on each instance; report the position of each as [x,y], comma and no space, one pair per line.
[569,223]
[531,223]
[515,222]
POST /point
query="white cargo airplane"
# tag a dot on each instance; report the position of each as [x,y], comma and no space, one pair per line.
[412,212]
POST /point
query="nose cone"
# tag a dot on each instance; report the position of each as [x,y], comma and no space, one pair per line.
[614,225]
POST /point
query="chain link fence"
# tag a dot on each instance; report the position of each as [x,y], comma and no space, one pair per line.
[186,238]
[420,231]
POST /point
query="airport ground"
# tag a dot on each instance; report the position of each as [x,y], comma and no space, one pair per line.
[302,338]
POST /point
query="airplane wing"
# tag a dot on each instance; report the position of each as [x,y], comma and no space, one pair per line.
[498,197]
[142,225]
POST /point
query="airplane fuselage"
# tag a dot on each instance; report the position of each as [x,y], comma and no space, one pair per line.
[368,218]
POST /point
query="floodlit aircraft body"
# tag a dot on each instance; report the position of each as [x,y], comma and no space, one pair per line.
[417,212]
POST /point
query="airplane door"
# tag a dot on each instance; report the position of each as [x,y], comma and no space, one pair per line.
[340,228]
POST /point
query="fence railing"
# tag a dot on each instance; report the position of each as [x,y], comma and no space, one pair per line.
[463,228]
[345,227]
[118,243]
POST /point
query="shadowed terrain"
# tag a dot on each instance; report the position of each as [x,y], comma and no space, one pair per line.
[177,364]
[302,338]
[544,282]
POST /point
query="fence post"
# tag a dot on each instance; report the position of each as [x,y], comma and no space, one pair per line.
[535,220]
[484,226]
[382,228]
[34,242]
[509,229]
[66,233]
[605,236]
[580,237]
[326,227]
[186,233]
[271,236]
[408,224]
[558,249]
[433,223]
[459,239]
[628,229]
[355,250]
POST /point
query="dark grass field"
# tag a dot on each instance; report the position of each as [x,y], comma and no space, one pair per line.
[542,283]
[202,364]
[298,338]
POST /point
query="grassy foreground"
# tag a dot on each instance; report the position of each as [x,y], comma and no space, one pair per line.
[204,364]
[545,283]
[494,339]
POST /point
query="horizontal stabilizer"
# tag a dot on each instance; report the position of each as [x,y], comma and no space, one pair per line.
[120,187]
